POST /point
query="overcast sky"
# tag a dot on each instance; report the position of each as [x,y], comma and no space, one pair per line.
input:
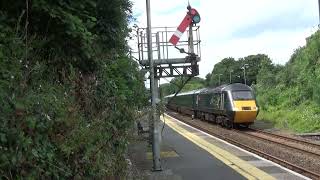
[237,28]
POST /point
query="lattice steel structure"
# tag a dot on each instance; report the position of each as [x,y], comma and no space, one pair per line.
[169,60]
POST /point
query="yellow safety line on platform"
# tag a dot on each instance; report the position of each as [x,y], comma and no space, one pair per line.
[242,167]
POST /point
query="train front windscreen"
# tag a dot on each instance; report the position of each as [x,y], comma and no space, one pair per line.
[242,95]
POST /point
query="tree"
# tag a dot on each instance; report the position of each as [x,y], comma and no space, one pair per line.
[222,69]
[255,63]
[175,84]
[68,91]
[208,79]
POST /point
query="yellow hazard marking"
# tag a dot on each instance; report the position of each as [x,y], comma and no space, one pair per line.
[242,167]
[163,154]
[245,116]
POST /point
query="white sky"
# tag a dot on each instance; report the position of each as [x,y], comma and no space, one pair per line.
[238,28]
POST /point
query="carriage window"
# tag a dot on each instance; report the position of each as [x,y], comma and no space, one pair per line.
[218,102]
[215,100]
[226,100]
[242,95]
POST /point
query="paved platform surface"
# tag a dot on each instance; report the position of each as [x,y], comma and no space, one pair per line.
[188,153]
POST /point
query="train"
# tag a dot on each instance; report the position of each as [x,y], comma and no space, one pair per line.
[230,105]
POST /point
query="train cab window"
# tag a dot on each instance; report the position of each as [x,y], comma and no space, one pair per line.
[242,95]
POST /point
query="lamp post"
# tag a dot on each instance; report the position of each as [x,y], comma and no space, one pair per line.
[219,79]
[231,71]
[244,72]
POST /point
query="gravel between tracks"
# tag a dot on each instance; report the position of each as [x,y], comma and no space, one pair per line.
[293,156]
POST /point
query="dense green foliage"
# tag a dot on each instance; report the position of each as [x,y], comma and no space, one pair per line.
[68,92]
[231,69]
[176,83]
[289,95]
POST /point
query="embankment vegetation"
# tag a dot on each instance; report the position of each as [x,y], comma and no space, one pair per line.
[289,95]
[68,91]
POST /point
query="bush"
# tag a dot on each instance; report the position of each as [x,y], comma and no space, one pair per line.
[67,99]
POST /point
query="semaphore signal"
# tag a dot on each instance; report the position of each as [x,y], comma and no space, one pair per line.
[192,17]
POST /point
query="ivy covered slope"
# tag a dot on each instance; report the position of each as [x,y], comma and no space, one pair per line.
[68,92]
[290,95]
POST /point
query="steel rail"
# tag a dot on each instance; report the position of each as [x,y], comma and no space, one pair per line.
[287,138]
[279,143]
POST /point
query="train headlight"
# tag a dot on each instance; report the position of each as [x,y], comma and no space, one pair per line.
[235,109]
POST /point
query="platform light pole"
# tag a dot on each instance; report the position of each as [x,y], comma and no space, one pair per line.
[244,72]
[220,79]
[231,71]
[154,91]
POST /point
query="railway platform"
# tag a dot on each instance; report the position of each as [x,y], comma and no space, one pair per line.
[188,153]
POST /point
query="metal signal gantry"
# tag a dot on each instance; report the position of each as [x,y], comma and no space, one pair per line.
[171,60]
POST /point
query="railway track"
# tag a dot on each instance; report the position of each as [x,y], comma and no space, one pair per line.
[296,168]
[288,142]
[289,138]
[311,136]
[303,145]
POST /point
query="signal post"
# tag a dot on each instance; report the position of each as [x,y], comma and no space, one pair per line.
[168,63]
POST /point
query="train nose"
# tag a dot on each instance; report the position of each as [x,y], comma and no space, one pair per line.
[245,111]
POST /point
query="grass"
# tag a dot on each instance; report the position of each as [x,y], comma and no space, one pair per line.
[304,118]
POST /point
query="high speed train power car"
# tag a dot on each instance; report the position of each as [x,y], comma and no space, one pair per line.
[229,105]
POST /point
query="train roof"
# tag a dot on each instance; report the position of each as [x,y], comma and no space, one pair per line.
[224,87]
[187,93]
[237,87]
[216,89]
[228,87]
